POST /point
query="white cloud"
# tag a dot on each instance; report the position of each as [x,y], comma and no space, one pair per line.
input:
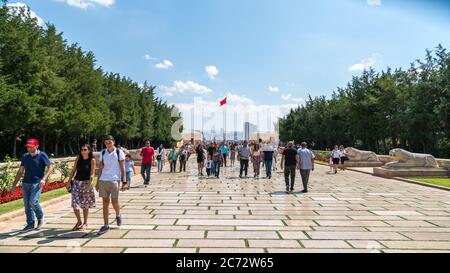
[166,64]
[149,58]
[212,71]
[374,2]
[366,63]
[185,87]
[274,89]
[289,97]
[86,4]
[238,110]
[237,99]
[16,7]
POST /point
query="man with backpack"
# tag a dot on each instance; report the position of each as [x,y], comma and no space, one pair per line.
[111,175]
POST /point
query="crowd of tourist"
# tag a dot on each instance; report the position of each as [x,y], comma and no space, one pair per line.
[116,170]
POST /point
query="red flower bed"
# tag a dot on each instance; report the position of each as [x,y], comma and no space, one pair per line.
[324,160]
[6,196]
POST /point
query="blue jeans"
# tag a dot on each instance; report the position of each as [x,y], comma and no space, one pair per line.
[160,165]
[213,168]
[268,164]
[217,168]
[31,194]
[145,172]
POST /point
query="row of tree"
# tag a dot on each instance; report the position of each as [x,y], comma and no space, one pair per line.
[53,91]
[380,111]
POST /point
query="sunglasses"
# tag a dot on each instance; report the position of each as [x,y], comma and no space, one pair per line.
[85,150]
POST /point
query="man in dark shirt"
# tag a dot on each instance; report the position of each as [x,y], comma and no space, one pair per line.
[33,165]
[290,159]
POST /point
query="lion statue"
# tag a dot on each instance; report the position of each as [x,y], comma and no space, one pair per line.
[358,155]
[408,160]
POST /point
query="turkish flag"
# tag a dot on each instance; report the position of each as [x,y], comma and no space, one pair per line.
[223,102]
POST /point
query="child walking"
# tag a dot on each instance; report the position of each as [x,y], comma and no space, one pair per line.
[208,166]
[130,169]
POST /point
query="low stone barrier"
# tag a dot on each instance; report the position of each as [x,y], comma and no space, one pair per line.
[71,160]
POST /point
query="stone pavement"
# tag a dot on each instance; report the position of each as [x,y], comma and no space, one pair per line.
[347,212]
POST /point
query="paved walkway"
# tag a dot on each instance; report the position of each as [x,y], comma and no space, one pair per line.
[347,212]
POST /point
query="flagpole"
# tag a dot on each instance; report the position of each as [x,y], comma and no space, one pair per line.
[224,112]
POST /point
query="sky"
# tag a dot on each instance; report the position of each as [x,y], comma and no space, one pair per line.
[265,56]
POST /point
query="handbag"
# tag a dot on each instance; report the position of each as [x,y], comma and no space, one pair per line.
[71,186]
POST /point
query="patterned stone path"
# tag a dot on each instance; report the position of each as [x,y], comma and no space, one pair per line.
[347,212]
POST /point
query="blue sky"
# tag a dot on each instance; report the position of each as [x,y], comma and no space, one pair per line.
[261,53]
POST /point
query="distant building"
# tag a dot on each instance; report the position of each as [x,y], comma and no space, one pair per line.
[249,130]
[266,137]
[189,136]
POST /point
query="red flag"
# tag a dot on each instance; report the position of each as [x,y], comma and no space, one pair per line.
[223,102]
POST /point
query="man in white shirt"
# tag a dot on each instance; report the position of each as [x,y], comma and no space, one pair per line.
[111,173]
[306,164]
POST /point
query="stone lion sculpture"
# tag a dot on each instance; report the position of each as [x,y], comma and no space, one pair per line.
[409,160]
[358,155]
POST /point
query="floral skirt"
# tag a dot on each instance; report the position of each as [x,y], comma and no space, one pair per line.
[83,195]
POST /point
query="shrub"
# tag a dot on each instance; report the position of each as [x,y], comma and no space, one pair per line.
[63,168]
[7,175]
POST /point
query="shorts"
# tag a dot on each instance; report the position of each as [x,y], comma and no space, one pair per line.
[336,161]
[109,189]
[129,176]
[343,159]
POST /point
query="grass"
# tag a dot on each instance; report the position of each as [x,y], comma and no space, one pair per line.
[18,204]
[443,182]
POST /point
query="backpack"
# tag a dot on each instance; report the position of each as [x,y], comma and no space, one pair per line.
[118,155]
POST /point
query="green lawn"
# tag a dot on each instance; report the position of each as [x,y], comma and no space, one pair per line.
[443,182]
[18,204]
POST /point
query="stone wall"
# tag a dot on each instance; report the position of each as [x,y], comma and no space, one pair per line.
[71,160]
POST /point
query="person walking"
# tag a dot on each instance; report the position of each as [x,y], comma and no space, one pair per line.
[35,178]
[200,159]
[83,195]
[289,162]
[148,157]
[161,157]
[268,156]
[111,173]
[217,161]
[244,155]
[129,169]
[343,157]
[256,160]
[335,158]
[210,152]
[232,154]
[224,150]
[173,156]
[183,155]
[94,146]
[276,152]
[208,166]
[306,164]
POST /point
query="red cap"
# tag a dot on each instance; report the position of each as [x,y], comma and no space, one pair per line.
[31,143]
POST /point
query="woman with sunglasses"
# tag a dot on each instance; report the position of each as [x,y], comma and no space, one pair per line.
[83,195]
